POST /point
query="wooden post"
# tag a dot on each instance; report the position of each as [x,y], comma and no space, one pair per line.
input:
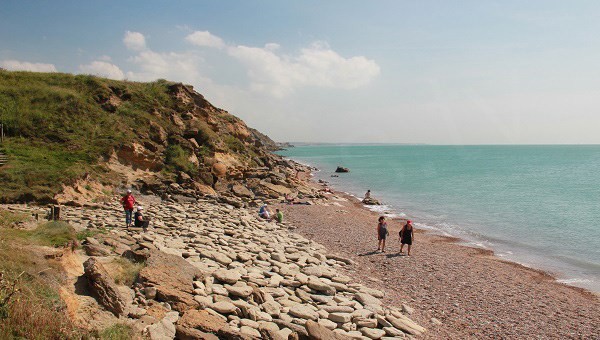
[1,133]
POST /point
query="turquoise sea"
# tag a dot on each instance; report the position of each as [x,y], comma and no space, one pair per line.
[535,205]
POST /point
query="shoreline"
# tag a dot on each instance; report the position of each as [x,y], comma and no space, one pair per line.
[460,240]
[490,279]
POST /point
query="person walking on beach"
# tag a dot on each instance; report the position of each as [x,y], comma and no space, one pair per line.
[382,233]
[406,236]
[128,202]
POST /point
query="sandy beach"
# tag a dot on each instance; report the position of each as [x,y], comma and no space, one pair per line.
[473,293]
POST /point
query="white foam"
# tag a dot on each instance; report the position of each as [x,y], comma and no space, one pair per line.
[574,281]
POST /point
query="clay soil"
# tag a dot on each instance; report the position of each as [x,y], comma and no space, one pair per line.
[473,293]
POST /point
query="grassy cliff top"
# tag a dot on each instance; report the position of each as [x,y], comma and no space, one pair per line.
[60,127]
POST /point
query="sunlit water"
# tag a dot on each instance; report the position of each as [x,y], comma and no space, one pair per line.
[536,205]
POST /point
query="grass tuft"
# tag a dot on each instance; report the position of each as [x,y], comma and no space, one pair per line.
[117,331]
[127,271]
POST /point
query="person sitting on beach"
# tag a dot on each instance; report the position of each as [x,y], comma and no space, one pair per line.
[406,236]
[368,194]
[382,233]
[263,212]
[139,221]
[278,215]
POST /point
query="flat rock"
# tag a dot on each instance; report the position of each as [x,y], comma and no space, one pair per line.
[304,312]
[172,276]
[227,276]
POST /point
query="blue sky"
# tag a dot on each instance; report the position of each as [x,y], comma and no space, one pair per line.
[439,72]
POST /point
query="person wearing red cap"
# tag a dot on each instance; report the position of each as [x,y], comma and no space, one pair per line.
[128,201]
[406,236]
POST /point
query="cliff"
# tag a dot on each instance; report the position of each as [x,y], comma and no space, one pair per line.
[71,137]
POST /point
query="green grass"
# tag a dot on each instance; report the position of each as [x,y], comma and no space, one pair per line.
[60,127]
[82,235]
[177,158]
[117,331]
[55,233]
[35,311]
[9,218]
[128,271]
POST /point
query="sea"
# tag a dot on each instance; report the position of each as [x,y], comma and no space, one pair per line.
[535,205]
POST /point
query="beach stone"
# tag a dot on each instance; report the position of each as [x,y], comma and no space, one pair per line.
[227,276]
[338,309]
[240,291]
[327,324]
[340,317]
[368,323]
[372,333]
[163,330]
[392,331]
[250,331]
[318,331]
[406,325]
[318,285]
[304,312]
[382,321]
[271,307]
[407,309]
[367,299]
[223,307]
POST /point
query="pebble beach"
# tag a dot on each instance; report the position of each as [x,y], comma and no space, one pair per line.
[470,291]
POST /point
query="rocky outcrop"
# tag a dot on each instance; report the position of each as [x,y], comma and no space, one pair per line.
[370,201]
[103,287]
[342,169]
[173,279]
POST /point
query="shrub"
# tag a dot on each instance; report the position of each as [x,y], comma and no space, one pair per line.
[178,159]
[54,233]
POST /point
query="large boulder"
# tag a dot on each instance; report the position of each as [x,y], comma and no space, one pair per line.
[342,169]
[173,277]
[103,287]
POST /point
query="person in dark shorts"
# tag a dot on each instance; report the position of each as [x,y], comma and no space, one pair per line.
[406,236]
[139,221]
[382,233]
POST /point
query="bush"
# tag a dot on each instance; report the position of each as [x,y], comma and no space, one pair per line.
[178,159]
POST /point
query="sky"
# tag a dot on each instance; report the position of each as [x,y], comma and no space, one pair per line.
[434,72]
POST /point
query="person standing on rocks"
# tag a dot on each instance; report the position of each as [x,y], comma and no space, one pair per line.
[406,236]
[128,202]
[278,215]
[368,194]
[382,233]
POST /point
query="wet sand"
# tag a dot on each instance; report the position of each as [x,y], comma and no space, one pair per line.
[473,293]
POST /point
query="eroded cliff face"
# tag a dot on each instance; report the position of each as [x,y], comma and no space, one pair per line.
[194,148]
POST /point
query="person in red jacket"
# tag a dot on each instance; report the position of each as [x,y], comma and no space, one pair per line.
[128,202]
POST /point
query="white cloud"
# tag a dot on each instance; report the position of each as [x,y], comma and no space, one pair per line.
[103,69]
[174,66]
[205,38]
[134,41]
[317,65]
[16,65]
